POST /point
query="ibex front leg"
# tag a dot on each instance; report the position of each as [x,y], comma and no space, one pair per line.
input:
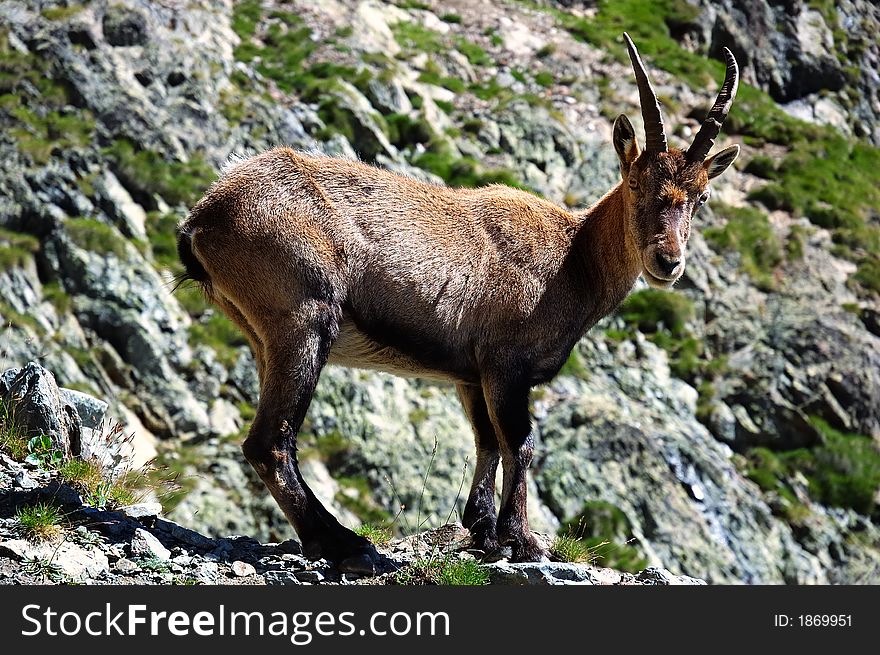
[508,402]
[296,349]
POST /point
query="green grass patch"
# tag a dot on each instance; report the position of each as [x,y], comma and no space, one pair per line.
[833,182]
[16,248]
[55,294]
[13,440]
[663,316]
[545,79]
[461,171]
[574,366]
[245,17]
[378,534]
[356,496]
[95,236]
[749,233]
[843,471]
[474,53]
[219,333]
[60,13]
[600,534]
[87,478]
[40,522]
[148,172]
[415,38]
[761,166]
[653,310]
[572,549]
[443,570]
[161,231]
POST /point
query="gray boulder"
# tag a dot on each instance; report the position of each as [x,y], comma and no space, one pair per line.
[36,405]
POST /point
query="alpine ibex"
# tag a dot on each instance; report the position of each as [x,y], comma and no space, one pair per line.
[326,260]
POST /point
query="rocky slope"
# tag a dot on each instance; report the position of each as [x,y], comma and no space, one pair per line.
[57,526]
[725,431]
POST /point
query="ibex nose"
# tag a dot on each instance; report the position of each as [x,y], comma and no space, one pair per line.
[666,263]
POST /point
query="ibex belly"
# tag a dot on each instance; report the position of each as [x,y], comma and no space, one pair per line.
[354,349]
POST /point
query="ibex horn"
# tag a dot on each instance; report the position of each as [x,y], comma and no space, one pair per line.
[655,137]
[705,138]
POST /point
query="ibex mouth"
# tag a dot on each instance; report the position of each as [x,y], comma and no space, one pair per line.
[657,282]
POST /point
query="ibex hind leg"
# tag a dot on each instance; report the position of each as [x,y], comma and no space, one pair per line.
[508,403]
[479,512]
[237,317]
[297,344]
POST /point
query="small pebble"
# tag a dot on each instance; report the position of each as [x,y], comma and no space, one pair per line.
[243,569]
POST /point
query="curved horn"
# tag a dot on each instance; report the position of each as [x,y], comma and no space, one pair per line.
[705,138]
[655,137]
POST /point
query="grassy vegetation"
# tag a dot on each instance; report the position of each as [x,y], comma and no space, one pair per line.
[572,549]
[13,441]
[218,332]
[443,570]
[87,478]
[147,172]
[749,233]
[61,13]
[461,171]
[843,471]
[55,294]
[95,236]
[833,182]
[16,248]
[161,231]
[415,38]
[377,534]
[36,108]
[663,318]
[574,366]
[600,534]
[356,496]
[40,522]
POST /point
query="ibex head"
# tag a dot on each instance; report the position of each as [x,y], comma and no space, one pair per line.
[665,187]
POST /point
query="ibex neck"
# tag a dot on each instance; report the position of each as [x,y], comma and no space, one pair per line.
[610,260]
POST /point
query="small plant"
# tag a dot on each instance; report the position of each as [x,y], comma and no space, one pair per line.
[748,231]
[570,548]
[443,570]
[41,521]
[378,534]
[44,568]
[96,236]
[42,453]
[11,440]
[186,581]
[544,79]
[153,564]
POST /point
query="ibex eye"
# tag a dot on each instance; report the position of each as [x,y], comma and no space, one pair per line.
[633,184]
[702,199]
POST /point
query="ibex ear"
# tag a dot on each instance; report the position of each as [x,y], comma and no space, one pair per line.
[718,163]
[624,139]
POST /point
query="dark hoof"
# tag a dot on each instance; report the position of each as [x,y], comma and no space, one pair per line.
[528,550]
[361,564]
[497,554]
[483,547]
[354,555]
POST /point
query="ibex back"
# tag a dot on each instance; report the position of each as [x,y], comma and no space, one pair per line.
[323,260]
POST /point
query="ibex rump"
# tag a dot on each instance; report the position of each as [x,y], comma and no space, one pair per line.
[319,259]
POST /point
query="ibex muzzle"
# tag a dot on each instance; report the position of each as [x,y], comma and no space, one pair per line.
[326,260]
